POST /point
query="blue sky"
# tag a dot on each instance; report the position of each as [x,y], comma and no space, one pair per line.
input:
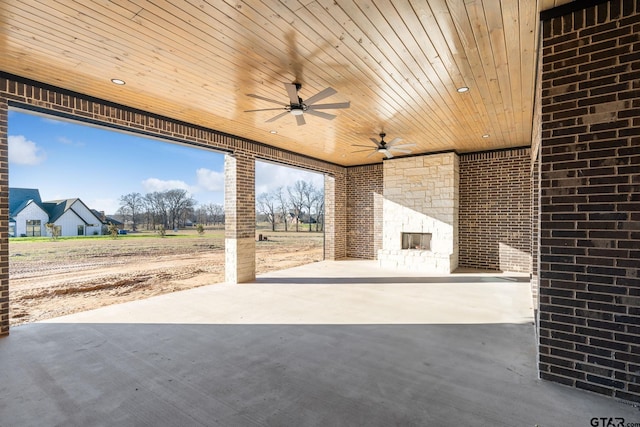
[65,159]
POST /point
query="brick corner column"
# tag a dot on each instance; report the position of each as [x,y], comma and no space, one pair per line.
[240,218]
[4,218]
[335,228]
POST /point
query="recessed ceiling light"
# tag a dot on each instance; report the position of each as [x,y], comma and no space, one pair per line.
[273,131]
[463,89]
[486,135]
[118,82]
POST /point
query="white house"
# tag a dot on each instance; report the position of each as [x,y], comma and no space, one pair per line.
[28,215]
[73,217]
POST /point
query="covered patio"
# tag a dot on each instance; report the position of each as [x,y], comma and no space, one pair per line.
[522,126]
[329,343]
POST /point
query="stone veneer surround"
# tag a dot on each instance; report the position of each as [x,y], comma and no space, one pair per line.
[421,196]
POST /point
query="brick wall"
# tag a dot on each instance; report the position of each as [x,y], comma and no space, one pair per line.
[4,218]
[590,199]
[21,93]
[495,210]
[535,231]
[240,218]
[364,211]
[340,215]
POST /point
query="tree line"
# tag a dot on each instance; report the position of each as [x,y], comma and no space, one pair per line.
[301,203]
[167,209]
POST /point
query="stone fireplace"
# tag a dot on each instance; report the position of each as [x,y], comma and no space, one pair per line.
[420,214]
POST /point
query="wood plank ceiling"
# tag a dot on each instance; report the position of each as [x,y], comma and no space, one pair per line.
[398,62]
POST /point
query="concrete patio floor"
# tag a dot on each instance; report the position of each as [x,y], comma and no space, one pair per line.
[330,343]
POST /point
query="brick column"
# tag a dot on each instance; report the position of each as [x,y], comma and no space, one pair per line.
[590,203]
[329,217]
[335,218]
[364,211]
[4,219]
[240,218]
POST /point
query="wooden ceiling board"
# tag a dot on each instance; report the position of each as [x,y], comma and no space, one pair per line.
[398,62]
[435,83]
[452,41]
[395,75]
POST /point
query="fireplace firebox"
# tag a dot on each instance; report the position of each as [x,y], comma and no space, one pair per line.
[418,241]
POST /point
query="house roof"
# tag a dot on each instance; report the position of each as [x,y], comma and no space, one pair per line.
[19,198]
[107,219]
[57,208]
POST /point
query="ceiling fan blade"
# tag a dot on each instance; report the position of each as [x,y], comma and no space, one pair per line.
[400,150]
[362,151]
[404,145]
[264,109]
[321,95]
[321,114]
[333,105]
[292,91]
[273,119]
[264,99]
[374,152]
[375,141]
[394,141]
[386,153]
[300,120]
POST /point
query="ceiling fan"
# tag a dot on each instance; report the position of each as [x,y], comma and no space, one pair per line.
[298,107]
[385,147]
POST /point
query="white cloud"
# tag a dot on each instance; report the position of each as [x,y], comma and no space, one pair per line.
[154,184]
[66,141]
[270,176]
[24,152]
[210,180]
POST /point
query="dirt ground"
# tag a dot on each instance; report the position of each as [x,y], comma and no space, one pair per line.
[53,278]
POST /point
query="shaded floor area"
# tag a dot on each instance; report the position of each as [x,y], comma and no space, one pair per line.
[331,343]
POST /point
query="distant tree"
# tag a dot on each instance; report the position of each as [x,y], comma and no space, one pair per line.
[283,206]
[157,207]
[201,215]
[296,199]
[132,204]
[267,206]
[187,215]
[215,213]
[319,208]
[178,202]
[309,194]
